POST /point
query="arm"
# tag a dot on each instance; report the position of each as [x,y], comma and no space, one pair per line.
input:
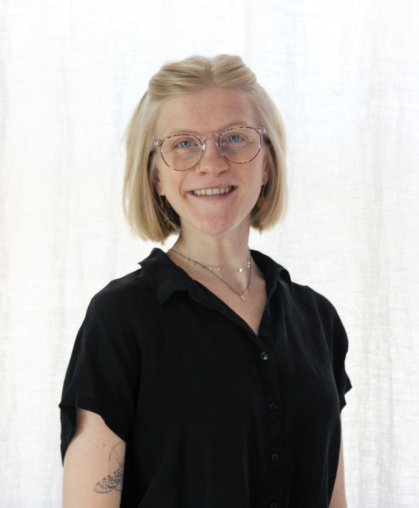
[338,497]
[93,465]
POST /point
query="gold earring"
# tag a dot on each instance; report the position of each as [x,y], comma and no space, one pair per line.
[261,200]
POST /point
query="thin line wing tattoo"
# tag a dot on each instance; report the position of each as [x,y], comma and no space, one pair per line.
[114,480]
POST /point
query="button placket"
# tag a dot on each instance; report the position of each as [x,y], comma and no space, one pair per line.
[271,390]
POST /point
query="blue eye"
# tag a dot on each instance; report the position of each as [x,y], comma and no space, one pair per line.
[184,144]
[233,138]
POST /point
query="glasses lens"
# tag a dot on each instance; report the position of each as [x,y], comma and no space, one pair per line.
[240,145]
[181,151]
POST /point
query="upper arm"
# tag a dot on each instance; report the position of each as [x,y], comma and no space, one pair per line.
[338,497]
[93,465]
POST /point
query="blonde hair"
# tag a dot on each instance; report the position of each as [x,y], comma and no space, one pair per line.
[140,200]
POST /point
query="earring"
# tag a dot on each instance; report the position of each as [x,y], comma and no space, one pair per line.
[261,230]
[261,200]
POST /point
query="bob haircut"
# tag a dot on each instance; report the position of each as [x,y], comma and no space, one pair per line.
[140,200]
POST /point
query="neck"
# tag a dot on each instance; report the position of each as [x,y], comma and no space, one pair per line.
[230,250]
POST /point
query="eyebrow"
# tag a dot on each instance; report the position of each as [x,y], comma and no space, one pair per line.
[191,131]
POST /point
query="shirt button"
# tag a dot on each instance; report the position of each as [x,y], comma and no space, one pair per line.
[274,505]
[272,406]
[264,356]
[275,457]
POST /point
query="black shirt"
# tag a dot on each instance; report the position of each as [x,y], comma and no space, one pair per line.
[213,415]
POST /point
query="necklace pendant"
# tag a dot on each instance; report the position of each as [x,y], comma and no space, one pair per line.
[243,298]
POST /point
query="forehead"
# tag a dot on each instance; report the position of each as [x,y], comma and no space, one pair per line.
[209,110]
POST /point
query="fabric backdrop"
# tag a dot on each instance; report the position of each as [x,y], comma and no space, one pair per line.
[344,75]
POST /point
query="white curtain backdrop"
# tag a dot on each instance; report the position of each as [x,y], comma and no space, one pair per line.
[344,75]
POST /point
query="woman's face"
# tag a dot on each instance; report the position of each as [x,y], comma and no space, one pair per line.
[212,110]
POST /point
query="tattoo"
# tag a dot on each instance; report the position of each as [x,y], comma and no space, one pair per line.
[116,468]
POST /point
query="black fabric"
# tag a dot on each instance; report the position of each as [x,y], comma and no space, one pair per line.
[213,415]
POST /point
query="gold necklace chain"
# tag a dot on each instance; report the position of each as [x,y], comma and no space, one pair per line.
[210,269]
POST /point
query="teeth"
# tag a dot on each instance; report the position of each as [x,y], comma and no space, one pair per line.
[212,192]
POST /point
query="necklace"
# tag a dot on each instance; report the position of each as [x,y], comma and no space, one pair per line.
[210,269]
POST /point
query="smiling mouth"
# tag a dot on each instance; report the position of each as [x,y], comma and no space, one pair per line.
[213,192]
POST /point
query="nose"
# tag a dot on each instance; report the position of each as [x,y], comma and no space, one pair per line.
[212,161]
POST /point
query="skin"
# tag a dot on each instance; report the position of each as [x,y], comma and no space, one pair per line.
[93,464]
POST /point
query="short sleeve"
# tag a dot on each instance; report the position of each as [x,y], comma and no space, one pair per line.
[340,349]
[103,372]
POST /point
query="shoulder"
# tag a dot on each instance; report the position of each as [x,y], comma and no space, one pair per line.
[313,300]
[123,296]
[322,314]
[296,295]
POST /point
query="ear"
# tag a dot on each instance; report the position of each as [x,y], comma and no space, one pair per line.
[266,167]
[265,175]
[157,182]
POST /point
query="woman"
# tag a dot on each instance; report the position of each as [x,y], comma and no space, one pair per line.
[206,378]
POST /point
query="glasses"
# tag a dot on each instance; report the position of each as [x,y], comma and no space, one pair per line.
[184,151]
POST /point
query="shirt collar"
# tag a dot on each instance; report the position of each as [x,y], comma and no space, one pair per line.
[166,277]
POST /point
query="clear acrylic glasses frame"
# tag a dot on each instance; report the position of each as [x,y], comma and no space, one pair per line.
[159,142]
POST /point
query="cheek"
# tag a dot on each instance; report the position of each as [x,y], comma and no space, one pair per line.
[172,184]
[256,179]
